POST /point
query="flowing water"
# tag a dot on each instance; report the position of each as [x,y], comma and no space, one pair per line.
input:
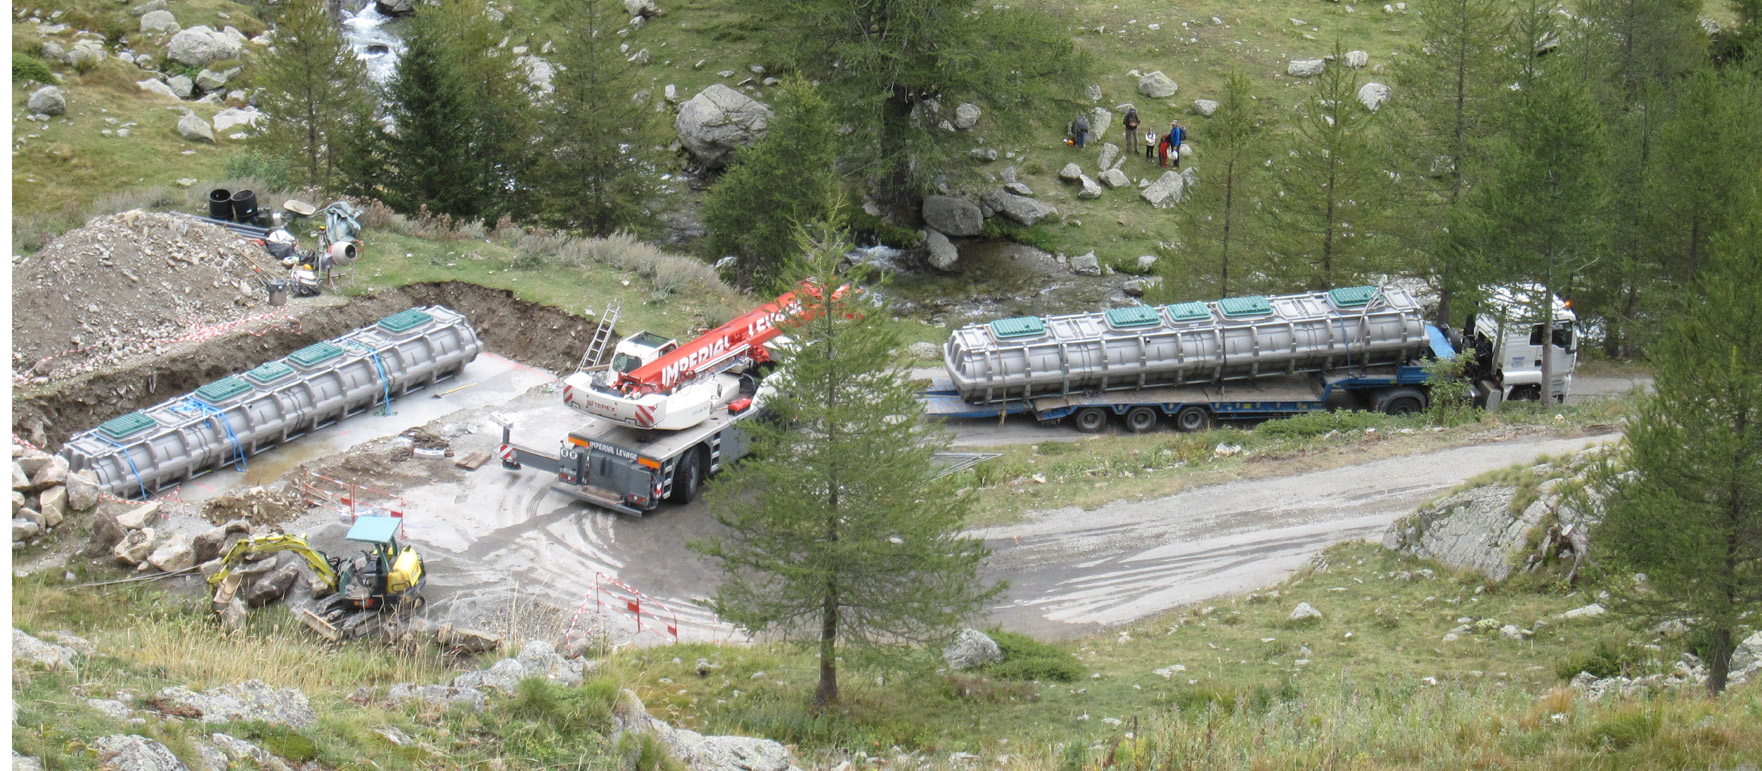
[377,40]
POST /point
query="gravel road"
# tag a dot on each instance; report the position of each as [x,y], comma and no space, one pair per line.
[1073,571]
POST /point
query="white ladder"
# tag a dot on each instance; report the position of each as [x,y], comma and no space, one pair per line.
[602,335]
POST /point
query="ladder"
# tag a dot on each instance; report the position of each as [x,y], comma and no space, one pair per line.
[602,335]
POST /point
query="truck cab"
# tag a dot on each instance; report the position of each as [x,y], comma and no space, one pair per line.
[1506,336]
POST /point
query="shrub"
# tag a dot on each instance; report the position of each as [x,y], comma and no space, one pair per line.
[1605,659]
[271,170]
[29,69]
[1320,423]
[282,741]
[863,224]
[1626,729]
[644,752]
[1039,236]
[1025,658]
[1198,700]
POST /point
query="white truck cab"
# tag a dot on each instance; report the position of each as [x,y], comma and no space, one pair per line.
[1506,337]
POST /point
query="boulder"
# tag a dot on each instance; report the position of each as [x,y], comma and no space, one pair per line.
[1592,610]
[1090,189]
[540,658]
[1748,653]
[971,650]
[1110,155]
[270,587]
[941,253]
[719,121]
[641,7]
[245,753]
[193,128]
[1100,122]
[1156,85]
[53,472]
[1166,191]
[504,676]
[249,700]
[461,640]
[924,349]
[80,645]
[199,45]
[1086,264]
[1373,95]
[156,86]
[1092,92]
[135,753]
[28,650]
[983,154]
[727,753]
[18,502]
[134,547]
[1304,612]
[47,100]
[1019,208]
[53,505]
[1476,529]
[1115,178]
[1206,107]
[21,481]
[115,710]
[34,517]
[236,116]
[209,543]
[209,80]
[438,695]
[1138,286]
[159,21]
[25,528]
[140,516]
[953,216]
[1070,172]
[86,54]
[1022,189]
[182,85]
[82,491]
[1357,59]
[146,8]
[1146,262]
[640,58]
[31,462]
[966,115]
[394,7]
[1305,68]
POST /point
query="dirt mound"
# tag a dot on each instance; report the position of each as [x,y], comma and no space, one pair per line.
[127,284]
[258,505]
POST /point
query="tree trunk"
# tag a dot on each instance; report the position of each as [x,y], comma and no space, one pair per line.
[827,692]
[1719,650]
[1229,209]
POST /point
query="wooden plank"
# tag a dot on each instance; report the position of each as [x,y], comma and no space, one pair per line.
[472,461]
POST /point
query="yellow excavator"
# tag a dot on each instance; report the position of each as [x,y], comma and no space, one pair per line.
[387,576]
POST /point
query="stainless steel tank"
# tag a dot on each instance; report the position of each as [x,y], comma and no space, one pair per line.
[233,418]
[1238,338]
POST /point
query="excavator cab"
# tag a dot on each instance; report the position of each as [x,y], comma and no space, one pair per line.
[386,573]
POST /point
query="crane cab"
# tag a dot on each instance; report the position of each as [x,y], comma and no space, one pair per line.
[639,350]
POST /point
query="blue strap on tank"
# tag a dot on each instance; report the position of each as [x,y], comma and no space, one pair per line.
[215,414]
[126,458]
[384,383]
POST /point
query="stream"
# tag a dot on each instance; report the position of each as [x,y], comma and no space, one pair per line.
[377,40]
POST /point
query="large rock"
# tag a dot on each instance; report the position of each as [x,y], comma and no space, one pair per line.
[1206,107]
[641,7]
[209,80]
[245,753]
[199,45]
[135,753]
[1357,59]
[25,528]
[52,503]
[140,516]
[53,472]
[1305,68]
[941,252]
[1157,85]
[270,587]
[1165,191]
[146,8]
[1477,529]
[1090,189]
[727,753]
[156,86]
[159,21]
[134,547]
[461,640]
[1304,612]
[1022,209]
[957,217]
[1748,653]
[82,491]
[1070,172]
[1100,123]
[28,650]
[1115,178]
[541,659]
[47,100]
[1086,264]
[193,128]
[249,700]
[21,481]
[438,695]
[394,7]
[1373,95]
[504,676]
[971,650]
[236,116]
[966,116]
[182,85]
[719,121]
[86,54]
[1110,156]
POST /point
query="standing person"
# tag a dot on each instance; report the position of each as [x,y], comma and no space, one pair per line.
[1132,130]
[1080,128]
[1177,135]
[1162,149]
[1150,145]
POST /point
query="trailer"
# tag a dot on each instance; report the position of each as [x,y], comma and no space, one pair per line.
[1243,358]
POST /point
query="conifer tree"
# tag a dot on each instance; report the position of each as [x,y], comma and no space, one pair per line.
[1709,151]
[316,97]
[431,146]
[789,178]
[839,533]
[596,170]
[1326,202]
[1682,501]
[1215,216]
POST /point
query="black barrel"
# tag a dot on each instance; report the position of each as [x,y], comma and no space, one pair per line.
[244,207]
[220,204]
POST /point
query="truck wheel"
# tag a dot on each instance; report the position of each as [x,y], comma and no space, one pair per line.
[1400,401]
[1140,419]
[687,477]
[1193,418]
[1090,420]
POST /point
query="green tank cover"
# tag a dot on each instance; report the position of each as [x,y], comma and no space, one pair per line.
[222,389]
[119,427]
[1252,305]
[1021,326]
[1134,316]
[404,321]
[315,354]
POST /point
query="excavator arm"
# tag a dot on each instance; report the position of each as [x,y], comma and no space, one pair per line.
[269,544]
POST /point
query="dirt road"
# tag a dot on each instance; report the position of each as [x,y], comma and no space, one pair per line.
[1072,571]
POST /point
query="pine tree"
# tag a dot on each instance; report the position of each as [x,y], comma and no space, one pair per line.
[1450,86]
[1682,502]
[316,97]
[496,101]
[431,146]
[1215,215]
[897,69]
[789,178]
[595,172]
[1708,152]
[1326,202]
[840,535]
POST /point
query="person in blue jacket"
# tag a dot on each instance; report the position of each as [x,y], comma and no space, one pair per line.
[1176,136]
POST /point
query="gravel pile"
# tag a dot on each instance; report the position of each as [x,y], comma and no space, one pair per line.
[127,284]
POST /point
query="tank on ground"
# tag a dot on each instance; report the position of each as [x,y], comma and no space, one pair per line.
[233,418]
[1239,338]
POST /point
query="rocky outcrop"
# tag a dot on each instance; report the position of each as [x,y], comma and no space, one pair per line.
[970,650]
[696,751]
[439,695]
[249,700]
[953,216]
[135,753]
[1495,528]
[28,651]
[537,659]
[1086,264]
[719,121]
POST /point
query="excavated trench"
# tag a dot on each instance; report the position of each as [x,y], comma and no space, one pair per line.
[533,334]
